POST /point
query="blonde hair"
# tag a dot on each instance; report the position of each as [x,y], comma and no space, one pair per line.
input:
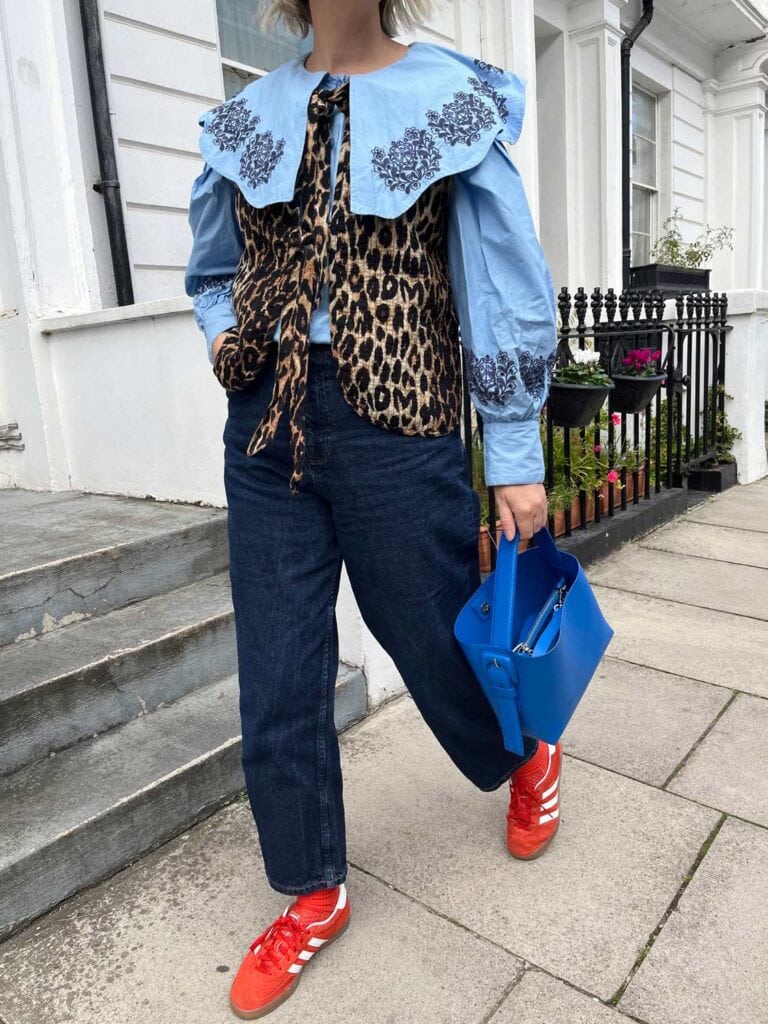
[395,15]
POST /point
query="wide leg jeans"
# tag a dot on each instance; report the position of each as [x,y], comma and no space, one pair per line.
[399,512]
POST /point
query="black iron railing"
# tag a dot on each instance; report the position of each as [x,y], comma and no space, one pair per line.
[621,459]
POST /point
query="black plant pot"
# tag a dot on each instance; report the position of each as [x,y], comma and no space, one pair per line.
[669,279]
[713,478]
[576,405]
[632,394]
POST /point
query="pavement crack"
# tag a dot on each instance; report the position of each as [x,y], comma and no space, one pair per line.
[675,771]
[704,849]
[487,1017]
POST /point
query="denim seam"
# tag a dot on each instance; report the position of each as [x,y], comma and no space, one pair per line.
[322,724]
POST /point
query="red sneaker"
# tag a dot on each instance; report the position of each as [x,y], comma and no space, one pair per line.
[534,803]
[271,969]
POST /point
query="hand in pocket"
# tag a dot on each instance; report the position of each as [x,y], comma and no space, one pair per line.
[236,362]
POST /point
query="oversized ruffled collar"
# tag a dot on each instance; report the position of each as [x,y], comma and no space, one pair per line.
[433,112]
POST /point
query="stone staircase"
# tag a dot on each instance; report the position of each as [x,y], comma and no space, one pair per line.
[119,722]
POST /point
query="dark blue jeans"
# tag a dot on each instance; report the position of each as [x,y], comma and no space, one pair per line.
[399,512]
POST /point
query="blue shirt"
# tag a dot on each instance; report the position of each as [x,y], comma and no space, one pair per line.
[434,111]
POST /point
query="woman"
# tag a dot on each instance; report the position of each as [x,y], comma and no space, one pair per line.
[358,226]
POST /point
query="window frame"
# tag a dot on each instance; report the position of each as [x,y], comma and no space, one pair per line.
[651,190]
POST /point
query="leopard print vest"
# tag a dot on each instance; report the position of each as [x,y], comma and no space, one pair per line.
[394,328]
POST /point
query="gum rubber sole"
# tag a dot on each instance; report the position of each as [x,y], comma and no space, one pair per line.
[264,1010]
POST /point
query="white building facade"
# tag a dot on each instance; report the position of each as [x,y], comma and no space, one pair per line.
[121,399]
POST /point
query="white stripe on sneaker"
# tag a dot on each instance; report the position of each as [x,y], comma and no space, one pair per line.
[548,792]
[317,942]
[306,954]
[549,804]
[295,968]
[549,817]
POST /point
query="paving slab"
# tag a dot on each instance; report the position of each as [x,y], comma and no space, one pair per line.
[739,589]
[708,965]
[582,912]
[639,721]
[744,547]
[537,998]
[159,944]
[689,641]
[743,506]
[728,769]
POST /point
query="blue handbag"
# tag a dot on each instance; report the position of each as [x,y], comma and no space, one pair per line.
[534,634]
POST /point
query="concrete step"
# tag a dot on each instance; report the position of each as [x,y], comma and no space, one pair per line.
[68,556]
[72,683]
[74,818]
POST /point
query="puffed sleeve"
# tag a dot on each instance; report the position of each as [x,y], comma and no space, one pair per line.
[505,303]
[217,246]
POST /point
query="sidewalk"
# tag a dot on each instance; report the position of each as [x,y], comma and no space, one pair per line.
[649,906]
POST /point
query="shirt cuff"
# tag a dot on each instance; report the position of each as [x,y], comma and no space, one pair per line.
[215,323]
[512,452]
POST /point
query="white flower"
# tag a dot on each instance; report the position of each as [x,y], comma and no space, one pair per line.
[585,357]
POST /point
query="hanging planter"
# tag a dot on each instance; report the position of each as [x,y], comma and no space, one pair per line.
[576,405]
[634,394]
[638,379]
[578,388]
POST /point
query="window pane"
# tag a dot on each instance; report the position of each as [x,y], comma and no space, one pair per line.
[244,41]
[641,211]
[235,80]
[640,250]
[644,114]
[643,161]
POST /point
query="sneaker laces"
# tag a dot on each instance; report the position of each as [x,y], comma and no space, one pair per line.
[281,942]
[522,800]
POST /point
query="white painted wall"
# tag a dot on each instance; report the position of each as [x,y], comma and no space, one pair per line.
[164,70]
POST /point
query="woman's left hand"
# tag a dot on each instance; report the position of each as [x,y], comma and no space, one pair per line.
[523,506]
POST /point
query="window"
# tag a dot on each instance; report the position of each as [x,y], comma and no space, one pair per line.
[644,175]
[247,51]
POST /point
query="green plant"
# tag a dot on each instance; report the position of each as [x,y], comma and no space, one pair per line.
[670,249]
[588,465]
[478,477]
[583,369]
[726,432]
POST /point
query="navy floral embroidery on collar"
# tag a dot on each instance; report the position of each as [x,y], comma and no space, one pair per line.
[409,161]
[260,158]
[415,157]
[461,120]
[495,97]
[230,125]
[483,65]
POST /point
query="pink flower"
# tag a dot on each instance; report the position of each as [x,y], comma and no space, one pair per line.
[598,448]
[616,419]
[612,476]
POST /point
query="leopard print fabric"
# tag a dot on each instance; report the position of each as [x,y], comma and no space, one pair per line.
[395,336]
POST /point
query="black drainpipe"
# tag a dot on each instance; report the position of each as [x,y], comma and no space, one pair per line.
[626,137]
[109,185]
